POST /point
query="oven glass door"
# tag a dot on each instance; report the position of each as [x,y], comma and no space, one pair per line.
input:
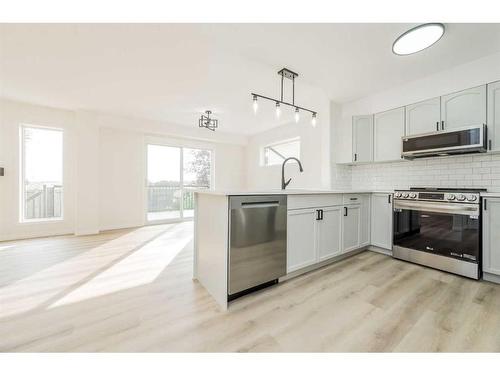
[448,234]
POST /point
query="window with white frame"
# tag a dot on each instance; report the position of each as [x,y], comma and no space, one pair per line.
[41,177]
[173,174]
[275,153]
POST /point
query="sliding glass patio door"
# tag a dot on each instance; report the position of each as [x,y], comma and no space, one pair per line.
[173,173]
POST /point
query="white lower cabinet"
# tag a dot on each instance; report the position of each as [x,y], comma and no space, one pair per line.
[351,228]
[381,220]
[319,233]
[364,225]
[491,236]
[329,233]
[301,249]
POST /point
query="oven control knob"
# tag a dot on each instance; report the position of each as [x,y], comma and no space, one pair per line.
[398,195]
[451,197]
[461,197]
[406,195]
[413,195]
[471,198]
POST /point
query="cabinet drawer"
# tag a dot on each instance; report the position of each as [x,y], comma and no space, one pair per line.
[296,202]
[351,198]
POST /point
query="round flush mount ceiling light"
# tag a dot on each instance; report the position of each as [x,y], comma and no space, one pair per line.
[418,38]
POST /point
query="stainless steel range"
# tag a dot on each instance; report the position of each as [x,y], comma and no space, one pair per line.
[439,228]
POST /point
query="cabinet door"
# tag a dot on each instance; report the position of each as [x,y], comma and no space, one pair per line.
[494,116]
[381,221]
[464,108]
[301,239]
[350,228]
[330,233]
[388,129]
[491,235]
[423,117]
[365,221]
[362,138]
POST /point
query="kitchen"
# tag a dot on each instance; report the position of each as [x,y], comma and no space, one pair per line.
[448,227]
[257,199]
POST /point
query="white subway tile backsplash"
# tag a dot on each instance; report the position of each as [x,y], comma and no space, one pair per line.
[455,171]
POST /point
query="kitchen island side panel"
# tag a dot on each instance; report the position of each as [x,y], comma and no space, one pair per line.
[211,245]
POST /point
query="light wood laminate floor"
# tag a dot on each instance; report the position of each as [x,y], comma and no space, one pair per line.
[131,290]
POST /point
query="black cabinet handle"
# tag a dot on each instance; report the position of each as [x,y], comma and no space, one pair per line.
[437,125]
[355,157]
[389,199]
[321,214]
[318,214]
[442,125]
[489,144]
[345,211]
[484,205]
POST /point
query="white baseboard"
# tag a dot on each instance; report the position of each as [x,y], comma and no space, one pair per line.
[491,277]
[380,250]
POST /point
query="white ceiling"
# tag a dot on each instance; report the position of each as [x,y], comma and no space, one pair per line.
[173,72]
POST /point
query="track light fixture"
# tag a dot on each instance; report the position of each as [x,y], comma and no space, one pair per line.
[285,73]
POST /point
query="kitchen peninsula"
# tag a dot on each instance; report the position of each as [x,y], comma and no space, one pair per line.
[247,240]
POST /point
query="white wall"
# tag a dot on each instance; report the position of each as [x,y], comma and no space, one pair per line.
[123,172]
[122,178]
[422,172]
[12,115]
[315,153]
[104,167]
[261,177]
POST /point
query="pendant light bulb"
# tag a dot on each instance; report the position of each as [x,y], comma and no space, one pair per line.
[278,110]
[297,115]
[255,104]
[313,121]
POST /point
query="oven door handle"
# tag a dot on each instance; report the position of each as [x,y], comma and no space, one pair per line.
[451,208]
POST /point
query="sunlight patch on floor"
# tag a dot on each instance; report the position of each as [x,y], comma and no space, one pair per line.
[156,249]
[5,247]
[140,268]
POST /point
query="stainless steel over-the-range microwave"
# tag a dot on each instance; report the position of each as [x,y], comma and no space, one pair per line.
[469,139]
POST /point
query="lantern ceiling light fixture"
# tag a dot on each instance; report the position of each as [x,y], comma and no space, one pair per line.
[206,122]
[285,73]
[418,38]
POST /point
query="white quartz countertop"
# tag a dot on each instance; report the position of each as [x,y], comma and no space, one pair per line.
[289,192]
[491,194]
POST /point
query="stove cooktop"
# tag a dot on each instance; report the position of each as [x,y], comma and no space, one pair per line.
[465,190]
[448,195]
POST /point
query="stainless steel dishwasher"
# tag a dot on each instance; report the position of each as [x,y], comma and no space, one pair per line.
[257,242]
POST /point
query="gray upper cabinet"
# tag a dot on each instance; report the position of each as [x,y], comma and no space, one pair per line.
[362,140]
[494,116]
[423,117]
[464,108]
[388,128]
